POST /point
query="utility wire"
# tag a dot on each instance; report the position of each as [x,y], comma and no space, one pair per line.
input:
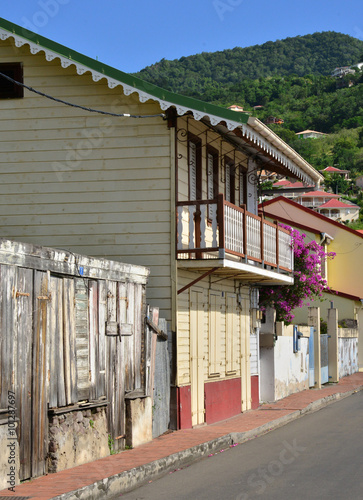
[126,115]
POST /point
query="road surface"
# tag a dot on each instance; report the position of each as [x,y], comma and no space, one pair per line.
[319,456]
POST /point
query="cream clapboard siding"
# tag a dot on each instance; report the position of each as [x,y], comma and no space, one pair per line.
[223,289]
[206,136]
[93,184]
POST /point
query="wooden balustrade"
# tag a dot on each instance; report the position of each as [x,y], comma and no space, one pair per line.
[212,229]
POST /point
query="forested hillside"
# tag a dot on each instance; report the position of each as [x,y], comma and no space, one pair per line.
[316,54]
[289,79]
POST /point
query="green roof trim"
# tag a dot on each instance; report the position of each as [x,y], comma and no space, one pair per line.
[132,81]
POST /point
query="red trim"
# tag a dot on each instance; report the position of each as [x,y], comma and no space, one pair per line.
[343,294]
[308,211]
[184,407]
[222,399]
[255,395]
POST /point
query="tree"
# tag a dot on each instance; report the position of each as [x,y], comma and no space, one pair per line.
[309,283]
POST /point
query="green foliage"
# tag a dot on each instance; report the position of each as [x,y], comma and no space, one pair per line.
[111,443]
[316,54]
[291,80]
[323,327]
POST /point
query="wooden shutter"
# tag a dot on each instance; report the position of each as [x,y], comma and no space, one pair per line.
[214,333]
[232,333]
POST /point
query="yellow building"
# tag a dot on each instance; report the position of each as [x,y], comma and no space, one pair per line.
[344,273]
[160,180]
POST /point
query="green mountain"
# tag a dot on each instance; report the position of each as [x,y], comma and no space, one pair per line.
[289,79]
[316,54]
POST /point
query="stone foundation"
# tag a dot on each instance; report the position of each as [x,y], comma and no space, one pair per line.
[76,438]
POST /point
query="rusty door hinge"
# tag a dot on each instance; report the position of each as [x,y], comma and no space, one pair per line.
[45,297]
[18,293]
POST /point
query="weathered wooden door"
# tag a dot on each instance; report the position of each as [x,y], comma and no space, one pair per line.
[16,317]
[197,356]
[124,364]
[39,389]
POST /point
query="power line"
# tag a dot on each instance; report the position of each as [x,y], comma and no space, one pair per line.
[91,110]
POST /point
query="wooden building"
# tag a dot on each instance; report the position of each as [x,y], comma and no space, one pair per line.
[73,350]
[170,182]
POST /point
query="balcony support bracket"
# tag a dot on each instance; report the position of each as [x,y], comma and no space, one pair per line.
[196,280]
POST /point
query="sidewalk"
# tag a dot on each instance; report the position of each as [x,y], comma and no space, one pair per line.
[115,474]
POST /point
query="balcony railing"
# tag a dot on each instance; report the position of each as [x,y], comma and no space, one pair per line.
[215,229]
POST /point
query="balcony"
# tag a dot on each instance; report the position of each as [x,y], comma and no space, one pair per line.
[217,234]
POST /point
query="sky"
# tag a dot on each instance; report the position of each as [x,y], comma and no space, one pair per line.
[130,35]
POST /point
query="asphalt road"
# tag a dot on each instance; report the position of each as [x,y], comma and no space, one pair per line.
[319,456]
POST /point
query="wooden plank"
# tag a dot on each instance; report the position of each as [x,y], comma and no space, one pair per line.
[53,346]
[148,336]
[58,306]
[102,314]
[138,327]
[111,363]
[93,337]
[129,341]
[40,392]
[23,386]
[121,367]
[82,338]
[69,339]
[7,373]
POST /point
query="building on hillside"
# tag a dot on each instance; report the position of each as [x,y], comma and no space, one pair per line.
[346,70]
[164,181]
[314,199]
[338,171]
[344,273]
[339,211]
[342,71]
[310,134]
[236,107]
[275,120]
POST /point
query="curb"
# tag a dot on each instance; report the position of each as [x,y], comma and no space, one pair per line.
[128,480]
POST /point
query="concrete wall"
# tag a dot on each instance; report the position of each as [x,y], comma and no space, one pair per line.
[267,374]
[139,428]
[291,369]
[76,438]
[283,372]
[347,308]
[348,356]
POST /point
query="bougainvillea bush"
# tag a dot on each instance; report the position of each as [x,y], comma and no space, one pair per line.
[309,283]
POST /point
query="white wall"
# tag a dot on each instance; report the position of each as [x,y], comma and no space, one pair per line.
[348,356]
[291,369]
